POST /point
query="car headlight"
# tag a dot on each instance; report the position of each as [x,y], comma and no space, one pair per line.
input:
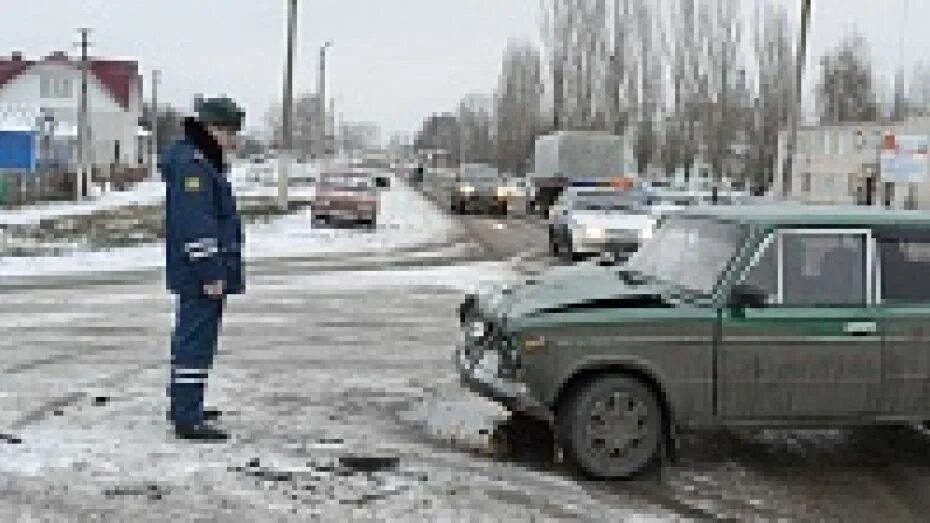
[506,191]
[594,233]
[477,329]
[466,189]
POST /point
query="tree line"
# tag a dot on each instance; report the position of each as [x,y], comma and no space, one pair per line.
[687,82]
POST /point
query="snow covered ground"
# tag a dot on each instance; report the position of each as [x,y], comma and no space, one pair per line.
[144,193]
[406,220]
[249,180]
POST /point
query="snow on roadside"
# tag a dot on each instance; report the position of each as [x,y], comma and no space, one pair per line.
[148,193]
[406,220]
[144,193]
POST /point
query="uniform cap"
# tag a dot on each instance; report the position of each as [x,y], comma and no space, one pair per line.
[220,112]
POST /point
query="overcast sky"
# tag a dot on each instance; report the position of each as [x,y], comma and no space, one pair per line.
[393,61]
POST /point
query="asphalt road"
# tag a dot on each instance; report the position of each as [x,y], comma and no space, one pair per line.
[337,384]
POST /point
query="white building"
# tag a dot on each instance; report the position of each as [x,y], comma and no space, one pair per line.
[50,87]
[839,164]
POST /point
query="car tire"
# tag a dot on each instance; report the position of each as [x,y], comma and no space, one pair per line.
[610,427]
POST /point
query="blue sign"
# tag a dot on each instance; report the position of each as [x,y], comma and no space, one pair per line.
[904,159]
[18,150]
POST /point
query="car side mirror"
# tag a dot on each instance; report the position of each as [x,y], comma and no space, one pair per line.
[746,296]
[382,182]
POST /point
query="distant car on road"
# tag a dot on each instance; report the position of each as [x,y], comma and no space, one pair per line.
[346,198]
[729,317]
[479,188]
[598,220]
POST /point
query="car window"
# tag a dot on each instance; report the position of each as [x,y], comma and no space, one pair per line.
[905,270]
[763,276]
[689,253]
[824,269]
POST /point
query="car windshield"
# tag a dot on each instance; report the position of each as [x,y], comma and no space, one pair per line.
[602,201]
[689,253]
[479,178]
[347,183]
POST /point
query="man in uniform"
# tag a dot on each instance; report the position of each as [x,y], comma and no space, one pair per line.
[203,250]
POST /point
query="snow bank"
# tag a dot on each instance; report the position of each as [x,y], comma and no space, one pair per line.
[406,220]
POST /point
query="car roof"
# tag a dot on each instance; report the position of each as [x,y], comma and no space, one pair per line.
[777,214]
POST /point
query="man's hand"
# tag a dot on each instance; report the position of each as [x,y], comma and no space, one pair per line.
[215,289]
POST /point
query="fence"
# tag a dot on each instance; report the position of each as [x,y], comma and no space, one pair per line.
[22,188]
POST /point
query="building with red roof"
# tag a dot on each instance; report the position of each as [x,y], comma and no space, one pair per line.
[49,89]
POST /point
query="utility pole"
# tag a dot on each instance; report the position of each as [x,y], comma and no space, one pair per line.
[83,127]
[288,138]
[321,97]
[795,115]
[154,115]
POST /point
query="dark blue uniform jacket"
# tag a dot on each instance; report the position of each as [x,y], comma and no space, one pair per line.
[204,238]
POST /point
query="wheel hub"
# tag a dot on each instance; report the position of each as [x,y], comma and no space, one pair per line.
[617,425]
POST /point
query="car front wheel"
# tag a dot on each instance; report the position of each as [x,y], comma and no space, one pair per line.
[611,427]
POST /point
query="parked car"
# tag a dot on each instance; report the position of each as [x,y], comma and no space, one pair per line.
[346,198]
[770,316]
[601,220]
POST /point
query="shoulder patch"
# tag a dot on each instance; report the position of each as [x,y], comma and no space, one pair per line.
[192,183]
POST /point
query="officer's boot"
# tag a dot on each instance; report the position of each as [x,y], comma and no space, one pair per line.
[202,433]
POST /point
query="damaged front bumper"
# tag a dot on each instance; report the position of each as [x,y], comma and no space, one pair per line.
[481,373]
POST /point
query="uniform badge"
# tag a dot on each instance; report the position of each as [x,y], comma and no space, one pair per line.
[191,183]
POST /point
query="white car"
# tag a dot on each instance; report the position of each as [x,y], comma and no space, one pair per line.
[595,221]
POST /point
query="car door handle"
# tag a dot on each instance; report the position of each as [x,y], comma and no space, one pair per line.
[860,328]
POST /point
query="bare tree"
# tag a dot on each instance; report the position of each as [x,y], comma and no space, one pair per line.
[555,36]
[846,91]
[518,110]
[169,123]
[647,81]
[917,98]
[475,112]
[774,61]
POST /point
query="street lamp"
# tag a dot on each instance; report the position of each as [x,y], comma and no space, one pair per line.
[287,108]
[795,112]
[321,93]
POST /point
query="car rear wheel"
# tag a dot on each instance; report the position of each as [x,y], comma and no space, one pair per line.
[611,427]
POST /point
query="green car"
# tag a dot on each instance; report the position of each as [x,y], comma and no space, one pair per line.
[750,316]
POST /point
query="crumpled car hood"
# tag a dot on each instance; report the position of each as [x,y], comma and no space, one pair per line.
[563,288]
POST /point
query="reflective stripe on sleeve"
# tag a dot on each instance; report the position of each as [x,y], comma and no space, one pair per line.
[202,248]
[190,381]
[183,371]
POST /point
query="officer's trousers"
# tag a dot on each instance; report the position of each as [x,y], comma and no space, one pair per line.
[193,347]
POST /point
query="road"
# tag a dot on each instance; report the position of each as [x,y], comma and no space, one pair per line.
[336,381]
